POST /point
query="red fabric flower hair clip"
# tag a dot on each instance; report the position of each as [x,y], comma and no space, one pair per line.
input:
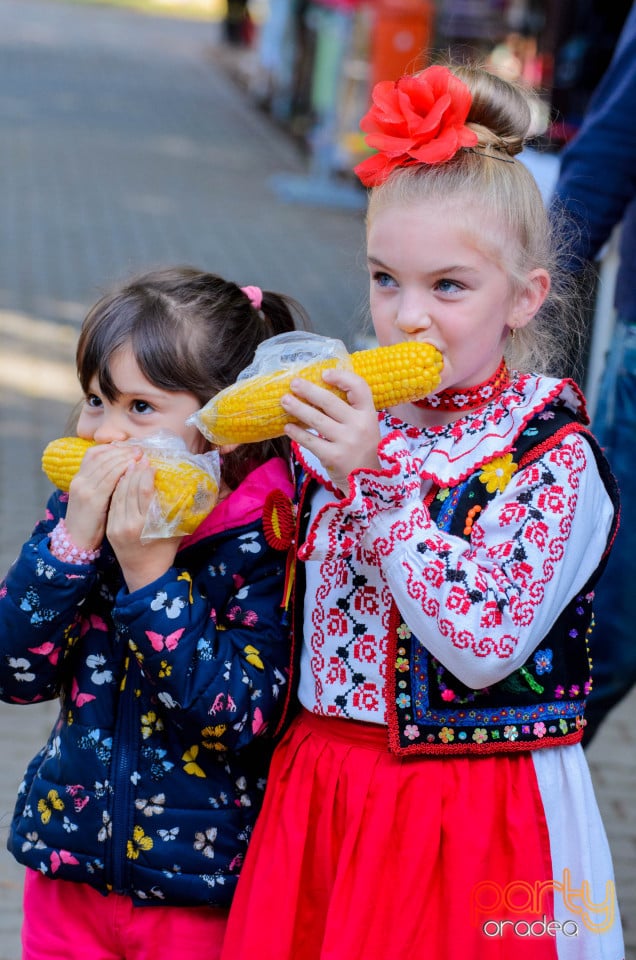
[416,119]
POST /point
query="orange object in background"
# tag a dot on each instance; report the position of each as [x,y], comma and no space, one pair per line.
[401,36]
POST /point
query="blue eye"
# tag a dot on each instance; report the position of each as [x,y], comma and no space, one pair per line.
[384,279]
[448,286]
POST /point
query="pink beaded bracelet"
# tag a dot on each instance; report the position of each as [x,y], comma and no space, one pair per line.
[62,547]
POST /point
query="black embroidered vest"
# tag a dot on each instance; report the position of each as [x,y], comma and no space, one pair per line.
[541,703]
[430,711]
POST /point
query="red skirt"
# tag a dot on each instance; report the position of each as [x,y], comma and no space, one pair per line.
[360,855]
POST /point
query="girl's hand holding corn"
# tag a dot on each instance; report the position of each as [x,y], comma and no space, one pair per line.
[91,489]
[308,387]
[250,410]
[141,563]
[347,432]
[110,495]
[144,495]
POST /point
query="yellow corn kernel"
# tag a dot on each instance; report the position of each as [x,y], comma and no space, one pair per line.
[183,490]
[62,458]
[250,410]
[400,373]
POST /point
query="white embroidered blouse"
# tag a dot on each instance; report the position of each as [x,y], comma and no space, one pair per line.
[379,544]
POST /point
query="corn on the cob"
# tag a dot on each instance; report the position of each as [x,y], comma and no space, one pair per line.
[250,410]
[185,492]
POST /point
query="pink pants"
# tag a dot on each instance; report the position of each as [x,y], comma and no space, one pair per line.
[71,920]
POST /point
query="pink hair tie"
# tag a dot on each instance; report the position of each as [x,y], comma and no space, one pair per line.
[254,295]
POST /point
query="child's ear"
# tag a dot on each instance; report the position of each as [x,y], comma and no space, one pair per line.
[530,300]
[228,447]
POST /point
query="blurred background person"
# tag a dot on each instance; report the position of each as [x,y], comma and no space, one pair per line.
[596,191]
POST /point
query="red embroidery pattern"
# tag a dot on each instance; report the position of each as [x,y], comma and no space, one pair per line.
[521,565]
[349,639]
[472,397]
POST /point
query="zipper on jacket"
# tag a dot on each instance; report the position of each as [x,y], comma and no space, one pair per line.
[124,749]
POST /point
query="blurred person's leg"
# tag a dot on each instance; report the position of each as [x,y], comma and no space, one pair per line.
[613,641]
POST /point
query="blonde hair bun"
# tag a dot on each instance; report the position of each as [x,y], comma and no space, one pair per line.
[501,112]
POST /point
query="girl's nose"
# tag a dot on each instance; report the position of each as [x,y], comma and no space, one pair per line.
[413,319]
[110,428]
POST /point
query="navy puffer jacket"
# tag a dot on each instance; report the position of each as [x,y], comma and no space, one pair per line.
[154,772]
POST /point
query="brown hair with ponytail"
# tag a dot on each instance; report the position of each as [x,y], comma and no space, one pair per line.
[189,330]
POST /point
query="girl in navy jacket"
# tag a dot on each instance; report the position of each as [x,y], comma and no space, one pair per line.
[168,655]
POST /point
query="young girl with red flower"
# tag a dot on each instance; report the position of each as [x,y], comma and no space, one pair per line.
[430,797]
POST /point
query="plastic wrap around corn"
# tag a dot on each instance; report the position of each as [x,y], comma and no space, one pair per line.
[185,491]
[250,410]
